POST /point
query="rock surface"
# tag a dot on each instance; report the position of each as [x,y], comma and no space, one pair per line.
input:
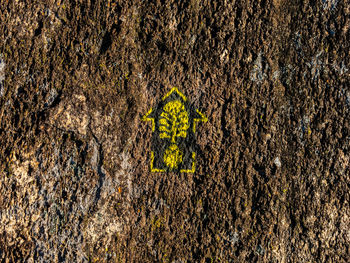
[272,162]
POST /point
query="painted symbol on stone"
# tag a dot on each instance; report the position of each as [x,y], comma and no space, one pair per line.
[173,141]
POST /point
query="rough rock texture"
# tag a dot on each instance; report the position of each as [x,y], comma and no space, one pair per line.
[272,176]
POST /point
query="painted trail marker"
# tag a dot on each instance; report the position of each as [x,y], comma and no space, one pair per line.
[174,122]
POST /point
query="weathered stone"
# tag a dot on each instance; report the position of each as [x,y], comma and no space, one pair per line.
[270,179]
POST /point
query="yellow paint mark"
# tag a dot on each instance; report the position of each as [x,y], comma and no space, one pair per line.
[309,131]
[203,119]
[146,118]
[177,91]
[193,169]
[174,115]
[164,136]
[155,170]
[173,156]
[119,190]
[173,123]
[156,223]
